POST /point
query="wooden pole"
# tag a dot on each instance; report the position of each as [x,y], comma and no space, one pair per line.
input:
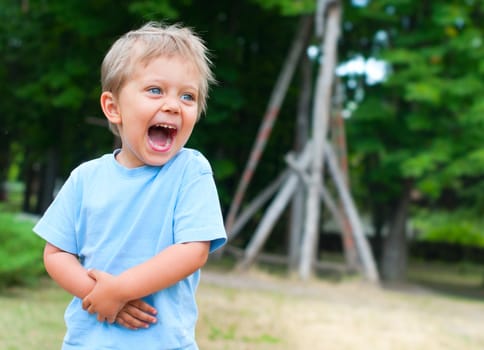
[338,137]
[270,116]
[367,260]
[321,112]
[323,194]
[274,211]
[257,203]
[296,226]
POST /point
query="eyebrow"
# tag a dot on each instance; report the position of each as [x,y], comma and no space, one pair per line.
[195,87]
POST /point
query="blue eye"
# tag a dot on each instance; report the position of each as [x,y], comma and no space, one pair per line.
[155,90]
[188,97]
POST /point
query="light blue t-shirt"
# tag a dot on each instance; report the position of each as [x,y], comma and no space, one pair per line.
[114,218]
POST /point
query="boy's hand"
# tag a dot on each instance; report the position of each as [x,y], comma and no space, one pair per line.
[105,298]
[136,314]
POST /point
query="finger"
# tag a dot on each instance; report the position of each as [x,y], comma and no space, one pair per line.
[121,322]
[88,307]
[86,303]
[91,309]
[143,306]
[128,321]
[139,314]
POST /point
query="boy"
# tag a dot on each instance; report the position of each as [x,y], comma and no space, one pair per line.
[129,231]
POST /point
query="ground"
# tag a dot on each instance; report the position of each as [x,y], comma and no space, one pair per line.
[261,311]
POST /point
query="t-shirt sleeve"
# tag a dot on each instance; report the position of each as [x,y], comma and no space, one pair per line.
[58,224]
[198,216]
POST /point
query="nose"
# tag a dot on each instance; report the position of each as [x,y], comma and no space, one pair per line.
[170,105]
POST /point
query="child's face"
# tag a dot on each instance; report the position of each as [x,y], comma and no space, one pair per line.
[156,111]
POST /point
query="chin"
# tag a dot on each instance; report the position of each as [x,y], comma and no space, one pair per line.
[159,160]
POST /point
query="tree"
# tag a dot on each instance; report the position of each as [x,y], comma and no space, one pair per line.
[419,133]
[54,50]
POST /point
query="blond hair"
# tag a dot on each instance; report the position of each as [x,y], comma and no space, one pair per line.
[150,41]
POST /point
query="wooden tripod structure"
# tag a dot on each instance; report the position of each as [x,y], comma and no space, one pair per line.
[305,168]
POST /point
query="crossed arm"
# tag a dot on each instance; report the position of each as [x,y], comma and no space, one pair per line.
[118,298]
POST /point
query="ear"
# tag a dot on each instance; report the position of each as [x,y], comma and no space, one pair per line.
[110,107]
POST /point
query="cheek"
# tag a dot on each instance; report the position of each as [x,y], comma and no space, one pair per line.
[134,128]
[186,132]
[190,126]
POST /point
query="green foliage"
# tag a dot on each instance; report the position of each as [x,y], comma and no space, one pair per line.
[454,228]
[53,51]
[433,132]
[425,123]
[289,7]
[15,162]
[426,161]
[154,10]
[20,251]
[423,92]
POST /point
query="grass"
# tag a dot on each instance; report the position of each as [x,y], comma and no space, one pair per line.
[32,318]
[20,251]
[460,280]
[14,195]
[441,308]
[262,311]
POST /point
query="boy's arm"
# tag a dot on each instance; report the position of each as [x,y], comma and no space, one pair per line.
[64,268]
[163,270]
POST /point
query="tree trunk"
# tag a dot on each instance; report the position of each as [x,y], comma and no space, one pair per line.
[394,262]
[3,191]
[378,224]
[4,165]
[47,182]
[31,179]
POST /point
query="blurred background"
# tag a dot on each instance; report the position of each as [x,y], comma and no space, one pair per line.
[406,121]
[411,84]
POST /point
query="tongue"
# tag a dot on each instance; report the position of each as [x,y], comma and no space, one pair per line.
[160,137]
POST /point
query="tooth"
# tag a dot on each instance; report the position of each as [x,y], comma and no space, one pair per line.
[161,125]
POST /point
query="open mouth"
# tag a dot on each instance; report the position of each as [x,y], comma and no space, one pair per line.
[161,136]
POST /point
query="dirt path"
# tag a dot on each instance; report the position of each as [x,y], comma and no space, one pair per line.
[259,311]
